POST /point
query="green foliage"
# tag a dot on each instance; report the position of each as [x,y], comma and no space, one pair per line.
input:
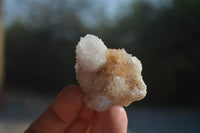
[39,58]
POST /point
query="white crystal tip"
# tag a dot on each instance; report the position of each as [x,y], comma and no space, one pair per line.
[91,53]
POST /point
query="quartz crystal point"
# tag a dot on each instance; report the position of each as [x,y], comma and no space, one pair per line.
[107,76]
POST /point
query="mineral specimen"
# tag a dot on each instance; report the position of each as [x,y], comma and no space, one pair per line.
[107,76]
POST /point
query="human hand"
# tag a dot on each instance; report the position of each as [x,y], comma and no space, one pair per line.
[68,114]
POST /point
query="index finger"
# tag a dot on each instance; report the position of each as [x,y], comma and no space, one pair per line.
[61,113]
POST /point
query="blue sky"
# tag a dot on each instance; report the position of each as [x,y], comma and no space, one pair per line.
[15,9]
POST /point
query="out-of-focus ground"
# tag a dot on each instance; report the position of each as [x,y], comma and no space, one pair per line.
[21,109]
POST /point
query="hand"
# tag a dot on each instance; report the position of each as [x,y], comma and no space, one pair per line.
[68,114]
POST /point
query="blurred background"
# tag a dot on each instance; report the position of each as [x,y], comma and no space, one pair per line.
[37,57]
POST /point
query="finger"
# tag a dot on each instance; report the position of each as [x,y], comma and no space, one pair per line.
[83,121]
[45,123]
[68,103]
[61,113]
[114,120]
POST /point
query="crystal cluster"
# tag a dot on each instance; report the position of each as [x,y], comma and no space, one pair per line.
[107,76]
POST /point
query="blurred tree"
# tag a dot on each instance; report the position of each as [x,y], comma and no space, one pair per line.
[40,52]
[1,50]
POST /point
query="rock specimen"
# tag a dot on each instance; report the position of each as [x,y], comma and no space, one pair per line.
[107,76]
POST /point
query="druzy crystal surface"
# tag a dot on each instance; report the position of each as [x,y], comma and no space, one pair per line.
[107,76]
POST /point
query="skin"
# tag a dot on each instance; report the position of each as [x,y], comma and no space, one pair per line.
[68,114]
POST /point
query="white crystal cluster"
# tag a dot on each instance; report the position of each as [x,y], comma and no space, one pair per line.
[107,76]
[91,53]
